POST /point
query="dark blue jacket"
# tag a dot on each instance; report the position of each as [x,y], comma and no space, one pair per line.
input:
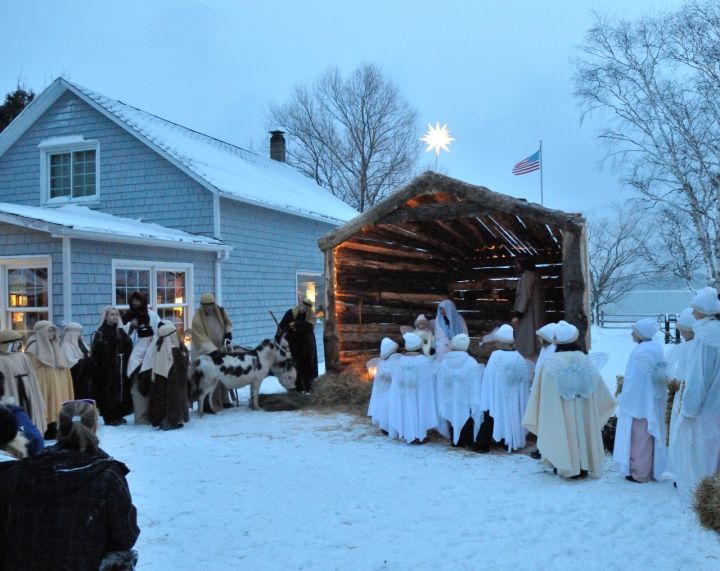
[25,425]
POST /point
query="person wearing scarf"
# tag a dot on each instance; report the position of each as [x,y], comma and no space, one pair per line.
[21,384]
[168,360]
[111,348]
[448,323]
[298,327]
[78,357]
[695,440]
[52,371]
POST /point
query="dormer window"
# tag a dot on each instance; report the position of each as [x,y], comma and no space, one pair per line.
[69,170]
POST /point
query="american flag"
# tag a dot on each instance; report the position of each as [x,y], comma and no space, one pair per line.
[530,164]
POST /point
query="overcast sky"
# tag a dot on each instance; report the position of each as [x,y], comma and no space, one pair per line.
[498,73]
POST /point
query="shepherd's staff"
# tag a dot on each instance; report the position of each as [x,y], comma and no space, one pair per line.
[277,323]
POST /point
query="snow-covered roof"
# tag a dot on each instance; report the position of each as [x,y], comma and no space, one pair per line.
[82,222]
[219,166]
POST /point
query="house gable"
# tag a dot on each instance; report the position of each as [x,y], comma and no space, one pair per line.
[134,180]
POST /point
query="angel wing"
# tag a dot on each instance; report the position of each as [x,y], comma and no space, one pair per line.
[659,378]
[575,380]
[514,372]
[599,360]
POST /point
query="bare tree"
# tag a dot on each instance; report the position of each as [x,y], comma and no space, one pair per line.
[357,136]
[615,244]
[657,80]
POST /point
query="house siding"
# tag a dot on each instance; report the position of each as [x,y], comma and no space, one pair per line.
[135,181]
[269,248]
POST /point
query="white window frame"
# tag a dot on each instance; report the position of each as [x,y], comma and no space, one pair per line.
[64,145]
[23,263]
[313,273]
[154,268]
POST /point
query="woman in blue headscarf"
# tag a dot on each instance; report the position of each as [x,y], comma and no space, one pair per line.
[448,323]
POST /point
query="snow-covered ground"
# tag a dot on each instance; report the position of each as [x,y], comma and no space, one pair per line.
[259,490]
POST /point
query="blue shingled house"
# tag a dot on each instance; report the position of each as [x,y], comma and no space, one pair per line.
[99,198]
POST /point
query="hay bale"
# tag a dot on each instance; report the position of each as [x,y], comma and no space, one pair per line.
[619,384]
[349,388]
[707,502]
[291,400]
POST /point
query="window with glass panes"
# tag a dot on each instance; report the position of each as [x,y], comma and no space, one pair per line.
[310,286]
[27,295]
[166,290]
[73,174]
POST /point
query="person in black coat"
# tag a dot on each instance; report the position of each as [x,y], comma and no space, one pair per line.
[110,352]
[78,356]
[298,328]
[69,508]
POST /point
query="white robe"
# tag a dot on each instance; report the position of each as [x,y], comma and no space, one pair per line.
[412,408]
[545,352]
[568,407]
[458,382]
[695,438]
[378,409]
[504,394]
[644,395]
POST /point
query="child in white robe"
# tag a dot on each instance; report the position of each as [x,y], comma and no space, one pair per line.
[639,450]
[546,341]
[459,379]
[412,405]
[695,440]
[504,394]
[378,409]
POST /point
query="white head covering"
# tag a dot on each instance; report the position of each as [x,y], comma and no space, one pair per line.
[685,319]
[412,342]
[104,313]
[159,356]
[71,343]
[565,333]
[387,347]
[460,342]
[706,301]
[547,332]
[504,334]
[646,328]
[422,322]
[455,325]
[48,352]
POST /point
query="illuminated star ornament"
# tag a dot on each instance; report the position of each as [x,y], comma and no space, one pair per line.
[437,138]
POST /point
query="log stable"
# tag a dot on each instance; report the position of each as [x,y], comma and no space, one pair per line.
[441,238]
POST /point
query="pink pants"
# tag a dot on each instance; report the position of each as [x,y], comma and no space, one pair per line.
[642,451]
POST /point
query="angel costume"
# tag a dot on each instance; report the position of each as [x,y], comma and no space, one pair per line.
[412,409]
[695,441]
[568,408]
[448,323]
[640,451]
[547,335]
[379,407]
[458,381]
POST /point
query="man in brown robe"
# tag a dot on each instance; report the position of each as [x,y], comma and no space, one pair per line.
[211,327]
[529,309]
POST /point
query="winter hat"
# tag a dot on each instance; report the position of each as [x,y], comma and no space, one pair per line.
[9,336]
[565,333]
[504,334]
[207,299]
[685,320]
[387,347]
[166,329]
[460,342]
[547,332]
[412,342]
[8,426]
[706,301]
[646,328]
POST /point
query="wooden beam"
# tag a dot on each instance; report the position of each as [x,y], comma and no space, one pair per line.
[330,338]
[575,286]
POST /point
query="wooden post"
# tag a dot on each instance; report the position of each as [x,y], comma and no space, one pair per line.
[575,282]
[330,338]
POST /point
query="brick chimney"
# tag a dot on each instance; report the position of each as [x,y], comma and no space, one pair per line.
[277,146]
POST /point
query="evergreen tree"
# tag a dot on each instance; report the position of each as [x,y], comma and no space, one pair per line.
[13,105]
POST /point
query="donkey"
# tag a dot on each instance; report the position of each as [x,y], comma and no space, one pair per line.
[241,368]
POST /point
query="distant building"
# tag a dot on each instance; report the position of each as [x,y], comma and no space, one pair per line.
[99,198]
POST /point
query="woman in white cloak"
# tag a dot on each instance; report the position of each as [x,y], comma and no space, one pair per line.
[695,440]
[639,450]
[677,360]
[504,393]
[459,380]
[448,323]
[378,409]
[546,338]
[412,408]
[568,407]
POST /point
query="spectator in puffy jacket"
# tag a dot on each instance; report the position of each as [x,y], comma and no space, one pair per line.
[26,427]
[70,507]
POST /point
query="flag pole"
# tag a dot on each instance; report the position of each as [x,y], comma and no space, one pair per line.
[542,201]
